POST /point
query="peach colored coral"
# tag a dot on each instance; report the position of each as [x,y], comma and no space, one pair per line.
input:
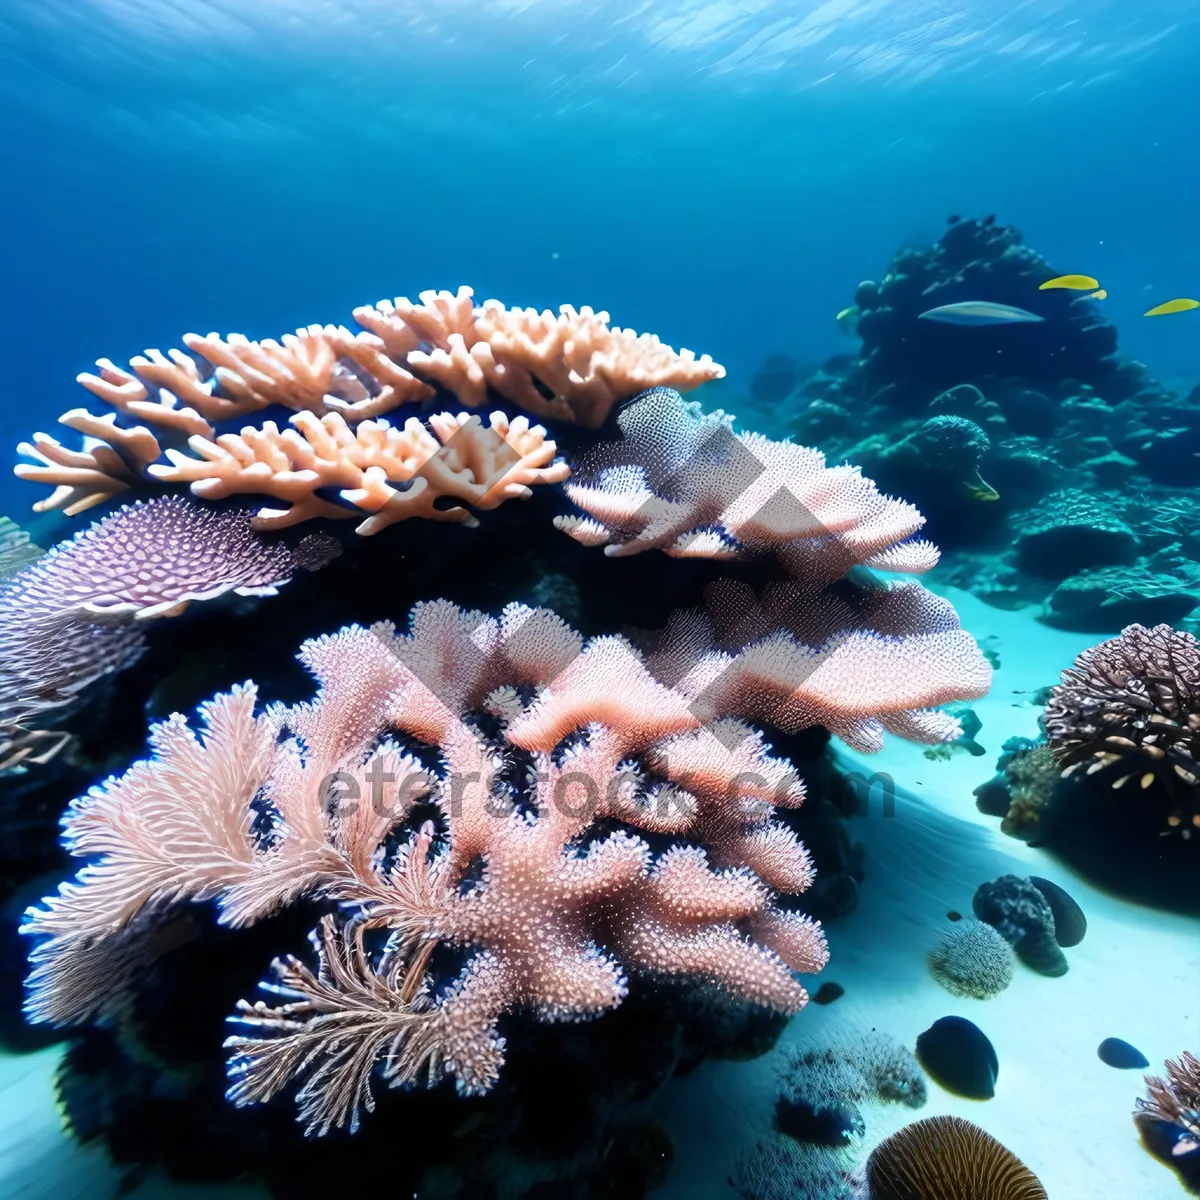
[392,473]
[572,367]
[538,869]
[563,910]
[685,483]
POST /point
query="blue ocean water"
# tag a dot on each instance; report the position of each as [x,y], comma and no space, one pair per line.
[721,173]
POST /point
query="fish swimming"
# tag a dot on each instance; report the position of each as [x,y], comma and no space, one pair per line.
[979,312]
[847,320]
[1099,294]
[1074,283]
[1173,306]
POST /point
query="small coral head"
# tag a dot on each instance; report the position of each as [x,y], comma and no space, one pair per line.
[1133,704]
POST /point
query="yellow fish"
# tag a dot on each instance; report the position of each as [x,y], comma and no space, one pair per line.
[1076,283]
[1100,294]
[847,320]
[1173,306]
[980,489]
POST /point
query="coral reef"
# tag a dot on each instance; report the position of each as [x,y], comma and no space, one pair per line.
[1168,1117]
[972,959]
[339,385]
[1072,456]
[78,612]
[780,1168]
[1133,704]
[1023,788]
[1023,917]
[527,920]
[851,1071]
[818,1122]
[685,483]
[947,1158]
[1070,531]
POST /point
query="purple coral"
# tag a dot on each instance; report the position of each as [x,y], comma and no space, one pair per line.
[75,614]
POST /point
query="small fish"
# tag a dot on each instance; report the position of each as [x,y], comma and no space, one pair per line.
[985,493]
[1173,306]
[979,312]
[1098,294]
[847,320]
[1074,283]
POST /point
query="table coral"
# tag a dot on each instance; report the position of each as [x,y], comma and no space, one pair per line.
[572,367]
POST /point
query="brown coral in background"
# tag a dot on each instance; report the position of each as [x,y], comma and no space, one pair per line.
[947,1158]
[572,367]
[1135,701]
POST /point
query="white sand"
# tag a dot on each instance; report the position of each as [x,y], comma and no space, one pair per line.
[1135,976]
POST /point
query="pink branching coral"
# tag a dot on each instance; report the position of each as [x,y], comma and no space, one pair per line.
[686,484]
[339,386]
[78,612]
[557,759]
[1133,703]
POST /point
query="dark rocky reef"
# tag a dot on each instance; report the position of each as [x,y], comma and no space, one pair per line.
[1067,487]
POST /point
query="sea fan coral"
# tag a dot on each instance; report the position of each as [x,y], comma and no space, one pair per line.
[78,612]
[557,758]
[947,1158]
[1135,701]
[686,484]
[572,367]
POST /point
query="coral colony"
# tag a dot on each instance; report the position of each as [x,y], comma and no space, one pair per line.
[498,816]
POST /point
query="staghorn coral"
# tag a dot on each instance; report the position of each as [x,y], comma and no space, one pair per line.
[572,367]
[557,758]
[972,959]
[391,473]
[1134,700]
[686,484]
[78,612]
[460,459]
[947,1158]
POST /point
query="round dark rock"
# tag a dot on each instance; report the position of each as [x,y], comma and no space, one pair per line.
[958,1055]
[1070,924]
[822,1123]
[1174,1145]
[1024,918]
[1114,1052]
[827,993]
